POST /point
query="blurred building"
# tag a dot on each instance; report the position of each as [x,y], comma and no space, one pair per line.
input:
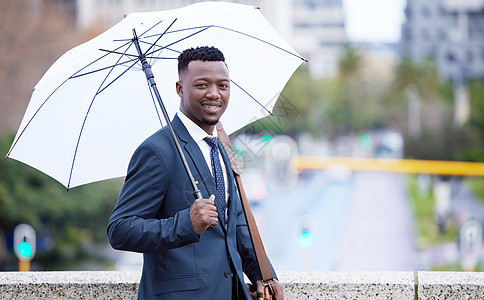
[318,33]
[449,31]
[315,28]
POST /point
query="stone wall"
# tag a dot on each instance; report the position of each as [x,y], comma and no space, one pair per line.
[297,285]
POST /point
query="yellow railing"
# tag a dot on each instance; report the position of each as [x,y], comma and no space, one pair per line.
[456,168]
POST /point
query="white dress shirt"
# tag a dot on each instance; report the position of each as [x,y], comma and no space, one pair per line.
[198,134]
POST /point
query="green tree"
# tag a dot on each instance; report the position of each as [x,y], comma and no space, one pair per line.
[299,107]
[423,76]
[350,65]
[476,122]
[440,138]
[328,107]
[476,94]
[423,80]
[356,104]
[69,224]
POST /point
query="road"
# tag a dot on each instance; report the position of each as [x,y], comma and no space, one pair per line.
[359,223]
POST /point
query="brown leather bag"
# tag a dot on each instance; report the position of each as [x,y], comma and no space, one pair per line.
[260,253]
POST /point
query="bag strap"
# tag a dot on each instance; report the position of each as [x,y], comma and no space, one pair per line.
[260,253]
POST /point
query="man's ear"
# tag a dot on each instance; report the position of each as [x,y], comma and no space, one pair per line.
[179,89]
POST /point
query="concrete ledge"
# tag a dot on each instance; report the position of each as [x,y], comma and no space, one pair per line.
[451,285]
[297,285]
[69,285]
[348,285]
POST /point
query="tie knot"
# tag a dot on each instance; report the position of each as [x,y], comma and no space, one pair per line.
[211,141]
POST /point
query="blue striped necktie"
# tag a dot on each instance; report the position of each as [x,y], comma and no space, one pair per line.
[217,172]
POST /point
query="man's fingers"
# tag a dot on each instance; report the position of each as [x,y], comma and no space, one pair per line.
[203,214]
[207,203]
[212,199]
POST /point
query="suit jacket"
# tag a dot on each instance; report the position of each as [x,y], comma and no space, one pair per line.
[152,217]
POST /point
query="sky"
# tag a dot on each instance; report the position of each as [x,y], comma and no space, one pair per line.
[375,21]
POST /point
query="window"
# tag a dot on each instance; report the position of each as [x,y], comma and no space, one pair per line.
[408,34]
[425,11]
[425,34]
[441,34]
[470,55]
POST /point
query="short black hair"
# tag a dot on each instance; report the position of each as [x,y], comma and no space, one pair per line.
[204,53]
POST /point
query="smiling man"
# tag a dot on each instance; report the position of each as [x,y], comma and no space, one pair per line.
[192,248]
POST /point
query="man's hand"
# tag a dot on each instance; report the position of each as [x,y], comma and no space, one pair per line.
[263,294]
[203,214]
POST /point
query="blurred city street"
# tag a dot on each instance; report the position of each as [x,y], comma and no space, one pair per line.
[360,223]
[357,221]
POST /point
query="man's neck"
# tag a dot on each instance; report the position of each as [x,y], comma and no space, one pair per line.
[195,131]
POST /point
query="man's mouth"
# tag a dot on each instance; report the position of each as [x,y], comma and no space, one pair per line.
[212,106]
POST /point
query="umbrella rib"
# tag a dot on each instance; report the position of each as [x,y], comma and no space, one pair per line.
[225,28]
[89,109]
[261,40]
[161,35]
[252,97]
[101,57]
[182,29]
[120,53]
[32,118]
[142,34]
[158,57]
[177,41]
[105,68]
[161,48]
[53,92]
[154,104]
[124,40]
[117,77]
[45,101]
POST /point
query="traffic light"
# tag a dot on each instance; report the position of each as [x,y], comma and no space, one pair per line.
[305,238]
[365,141]
[24,245]
[25,250]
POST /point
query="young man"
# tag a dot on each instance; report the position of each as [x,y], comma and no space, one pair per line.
[193,249]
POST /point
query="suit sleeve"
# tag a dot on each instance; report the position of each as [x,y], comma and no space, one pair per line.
[133,225]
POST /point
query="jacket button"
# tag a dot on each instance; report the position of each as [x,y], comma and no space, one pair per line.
[227,274]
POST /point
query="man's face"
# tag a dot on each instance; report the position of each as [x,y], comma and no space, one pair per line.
[204,89]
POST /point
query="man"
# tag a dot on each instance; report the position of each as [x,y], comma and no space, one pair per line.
[193,249]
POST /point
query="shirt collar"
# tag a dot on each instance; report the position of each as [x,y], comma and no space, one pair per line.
[197,133]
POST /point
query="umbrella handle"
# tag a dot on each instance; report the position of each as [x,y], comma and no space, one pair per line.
[151,80]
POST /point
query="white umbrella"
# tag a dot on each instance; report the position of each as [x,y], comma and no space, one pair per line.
[93,107]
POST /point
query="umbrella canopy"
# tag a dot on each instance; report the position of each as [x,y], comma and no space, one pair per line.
[93,107]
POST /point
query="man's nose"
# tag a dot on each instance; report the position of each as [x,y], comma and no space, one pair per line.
[213,92]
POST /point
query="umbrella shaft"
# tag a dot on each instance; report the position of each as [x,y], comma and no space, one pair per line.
[151,80]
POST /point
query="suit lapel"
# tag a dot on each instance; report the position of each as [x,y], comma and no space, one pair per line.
[233,196]
[201,173]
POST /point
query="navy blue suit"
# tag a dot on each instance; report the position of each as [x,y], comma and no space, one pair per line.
[152,217]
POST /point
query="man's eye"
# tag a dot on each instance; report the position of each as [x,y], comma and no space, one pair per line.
[224,86]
